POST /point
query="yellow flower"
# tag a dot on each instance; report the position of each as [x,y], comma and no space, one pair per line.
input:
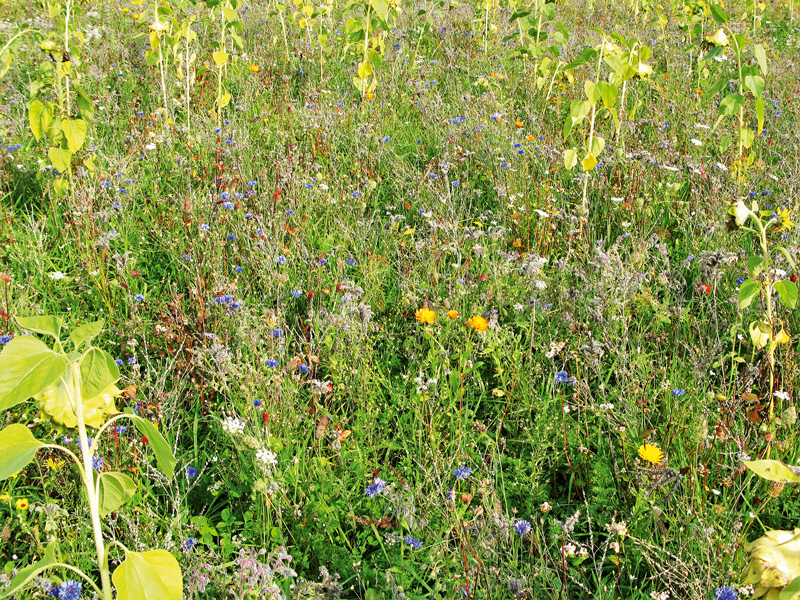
[718,38]
[519,124]
[651,453]
[774,562]
[425,315]
[22,504]
[786,223]
[55,403]
[53,464]
[255,68]
[453,314]
[478,323]
[5,498]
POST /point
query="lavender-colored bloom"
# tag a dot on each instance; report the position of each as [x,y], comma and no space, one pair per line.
[231,236]
[238,269]
[562,377]
[188,544]
[303,368]
[97,463]
[350,262]
[281,260]
[462,472]
[522,527]
[118,362]
[725,593]
[249,216]
[271,363]
[70,590]
[296,293]
[375,488]
[739,280]
[323,261]
[413,542]
[120,429]
[204,227]
[138,298]
[252,184]
[191,472]
[228,205]
[678,392]
[257,402]
[132,360]
[356,194]
[276,333]
[455,183]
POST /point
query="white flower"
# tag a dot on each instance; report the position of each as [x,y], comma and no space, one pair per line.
[696,142]
[57,275]
[150,147]
[780,395]
[269,458]
[232,425]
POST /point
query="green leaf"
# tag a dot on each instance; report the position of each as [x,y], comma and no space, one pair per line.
[788,291]
[755,264]
[28,573]
[747,136]
[589,162]
[598,145]
[719,14]
[35,112]
[85,104]
[115,490]
[164,457]
[570,158]
[772,470]
[74,132]
[608,93]
[754,84]
[731,104]
[761,57]
[748,291]
[713,53]
[518,14]
[17,449]
[760,114]
[98,371]
[86,333]
[47,325]
[220,58]
[61,159]
[791,591]
[229,13]
[27,366]
[381,8]
[716,87]
[153,575]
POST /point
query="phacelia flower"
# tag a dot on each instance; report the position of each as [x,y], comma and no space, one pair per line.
[413,542]
[725,593]
[375,488]
[191,472]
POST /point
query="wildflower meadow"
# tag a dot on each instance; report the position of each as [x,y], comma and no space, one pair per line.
[399,299]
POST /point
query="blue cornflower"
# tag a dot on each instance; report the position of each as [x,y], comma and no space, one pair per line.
[70,590]
[132,360]
[323,261]
[303,368]
[413,542]
[236,305]
[238,269]
[188,544]
[4,339]
[118,362]
[121,429]
[257,403]
[433,176]
[228,205]
[281,260]
[386,139]
[462,472]
[504,165]
[725,593]
[739,280]
[191,472]
[296,293]
[252,184]
[271,363]
[522,527]
[356,194]
[276,333]
[97,463]
[562,377]
[231,236]
[678,392]
[117,205]
[204,227]
[249,216]
[375,488]
[289,212]
[455,183]
[225,196]
[138,298]
[187,257]
[350,262]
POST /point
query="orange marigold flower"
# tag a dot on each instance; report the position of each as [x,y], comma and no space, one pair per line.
[519,124]
[425,315]
[453,314]
[478,323]
[255,68]
[369,95]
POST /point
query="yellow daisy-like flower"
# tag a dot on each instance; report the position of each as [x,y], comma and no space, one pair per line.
[478,323]
[425,315]
[453,314]
[254,68]
[5,498]
[22,504]
[786,223]
[651,453]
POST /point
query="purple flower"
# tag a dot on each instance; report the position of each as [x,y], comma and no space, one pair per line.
[271,363]
[413,542]
[97,463]
[522,527]
[132,360]
[350,262]
[725,593]
[188,544]
[562,377]
[276,333]
[296,293]
[138,298]
[256,402]
[231,236]
[228,205]
[678,392]
[70,590]
[191,472]
[462,472]
[375,488]
[303,368]
[118,362]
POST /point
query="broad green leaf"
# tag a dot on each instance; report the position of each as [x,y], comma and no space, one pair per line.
[592,91]
[788,291]
[760,114]
[86,333]
[759,333]
[748,291]
[98,371]
[755,264]
[747,136]
[518,14]
[570,158]
[608,93]
[151,58]
[731,104]
[772,470]
[375,59]
[164,457]
[229,13]
[220,58]
[719,14]
[616,64]
[761,57]
[28,573]
[754,84]
[17,449]
[381,8]
[61,159]
[115,490]
[791,591]
[716,87]
[27,366]
[598,145]
[74,132]
[85,104]
[224,100]
[47,325]
[35,111]
[153,575]
[155,41]
[365,69]
[589,162]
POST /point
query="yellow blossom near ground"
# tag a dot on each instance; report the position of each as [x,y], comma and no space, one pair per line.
[478,323]
[453,314]
[425,315]
[254,68]
[651,453]
[22,504]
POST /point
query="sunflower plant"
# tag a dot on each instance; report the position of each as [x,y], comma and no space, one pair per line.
[75,388]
